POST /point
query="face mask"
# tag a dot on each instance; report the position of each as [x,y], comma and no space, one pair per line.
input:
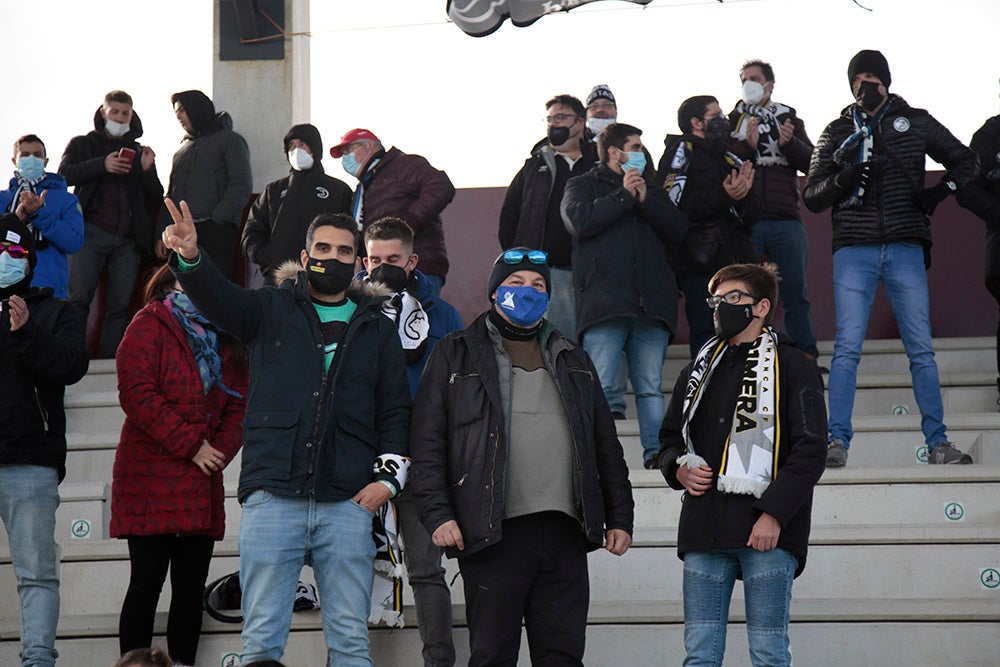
[753,92]
[595,125]
[12,271]
[351,165]
[731,319]
[868,95]
[300,159]
[636,160]
[718,126]
[391,276]
[557,135]
[115,129]
[329,276]
[31,168]
[523,305]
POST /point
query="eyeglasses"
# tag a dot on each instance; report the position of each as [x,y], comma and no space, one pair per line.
[561,118]
[518,256]
[15,251]
[732,298]
[601,105]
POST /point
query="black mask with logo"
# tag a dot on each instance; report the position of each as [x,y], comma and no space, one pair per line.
[329,276]
[730,320]
[391,276]
[868,95]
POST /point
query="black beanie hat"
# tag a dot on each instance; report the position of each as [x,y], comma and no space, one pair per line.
[502,269]
[310,135]
[869,61]
[15,232]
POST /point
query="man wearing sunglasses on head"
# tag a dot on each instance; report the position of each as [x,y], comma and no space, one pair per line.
[43,350]
[745,438]
[517,469]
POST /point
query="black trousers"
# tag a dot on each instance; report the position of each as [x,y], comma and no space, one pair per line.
[538,572]
[188,557]
[221,241]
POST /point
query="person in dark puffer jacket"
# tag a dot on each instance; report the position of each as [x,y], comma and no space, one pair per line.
[181,385]
[869,166]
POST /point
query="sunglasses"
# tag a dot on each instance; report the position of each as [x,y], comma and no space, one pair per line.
[15,251]
[518,256]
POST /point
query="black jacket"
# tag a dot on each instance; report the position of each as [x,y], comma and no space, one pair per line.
[982,196]
[309,433]
[716,237]
[276,227]
[621,249]
[43,356]
[889,213]
[459,439]
[82,166]
[719,520]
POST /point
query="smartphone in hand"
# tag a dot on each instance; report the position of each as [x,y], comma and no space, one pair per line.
[128,154]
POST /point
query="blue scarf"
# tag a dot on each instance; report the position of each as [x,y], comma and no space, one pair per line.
[202,338]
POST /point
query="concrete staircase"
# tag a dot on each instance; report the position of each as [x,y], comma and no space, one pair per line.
[903,566]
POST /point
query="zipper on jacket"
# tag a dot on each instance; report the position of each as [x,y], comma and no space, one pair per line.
[461,376]
[42,410]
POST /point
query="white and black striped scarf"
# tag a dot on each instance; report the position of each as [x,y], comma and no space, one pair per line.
[864,138]
[770,119]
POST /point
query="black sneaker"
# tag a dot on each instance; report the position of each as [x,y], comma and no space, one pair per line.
[836,454]
[649,464]
[947,453]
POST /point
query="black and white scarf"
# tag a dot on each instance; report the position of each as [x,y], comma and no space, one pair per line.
[24,185]
[677,176]
[411,322]
[770,119]
[749,460]
[863,141]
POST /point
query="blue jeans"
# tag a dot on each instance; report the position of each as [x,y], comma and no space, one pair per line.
[29,496]
[645,344]
[700,318]
[857,271]
[784,242]
[708,588]
[562,302]
[277,537]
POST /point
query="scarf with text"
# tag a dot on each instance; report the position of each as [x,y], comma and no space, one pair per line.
[677,176]
[770,119]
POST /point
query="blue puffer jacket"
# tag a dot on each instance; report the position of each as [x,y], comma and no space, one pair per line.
[60,223]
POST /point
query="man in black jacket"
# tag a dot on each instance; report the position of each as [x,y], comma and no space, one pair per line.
[115,180]
[326,429]
[982,197]
[624,229]
[748,501]
[869,166]
[42,345]
[518,471]
[714,188]
[279,218]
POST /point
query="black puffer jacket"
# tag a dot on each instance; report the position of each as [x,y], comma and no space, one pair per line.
[47,353]
[982,196]
[621,249]
[889,212]
[459,439]
[82,165]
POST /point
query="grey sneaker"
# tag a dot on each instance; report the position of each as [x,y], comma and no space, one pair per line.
[945,453]
[836,454]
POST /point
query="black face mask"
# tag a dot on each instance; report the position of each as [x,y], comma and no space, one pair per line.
[391,276]
[558,135]
[731,320]
[329,276]
[718,126]
[868,95]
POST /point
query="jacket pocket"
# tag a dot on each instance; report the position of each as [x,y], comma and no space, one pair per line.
[269,441]
[467,402]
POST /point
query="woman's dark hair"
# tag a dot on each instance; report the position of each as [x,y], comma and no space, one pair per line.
[145,657]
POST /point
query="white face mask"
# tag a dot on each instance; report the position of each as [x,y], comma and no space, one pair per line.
[595,125]
[753,92]
[300,159]
[115,129]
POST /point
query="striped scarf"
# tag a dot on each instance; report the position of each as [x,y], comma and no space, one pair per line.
[864,139]
[676,179]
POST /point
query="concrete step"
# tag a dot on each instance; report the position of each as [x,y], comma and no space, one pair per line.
[83,514]
[95,412]
[101,377]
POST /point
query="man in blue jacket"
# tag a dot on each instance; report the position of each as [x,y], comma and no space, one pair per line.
[52,213]
[327,425]
[422,320]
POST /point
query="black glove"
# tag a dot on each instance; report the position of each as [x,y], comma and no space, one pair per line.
[929,198]
[849,178]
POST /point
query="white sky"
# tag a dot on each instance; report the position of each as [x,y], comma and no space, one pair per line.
[473,106]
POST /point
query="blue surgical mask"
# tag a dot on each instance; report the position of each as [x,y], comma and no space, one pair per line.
[351,165]
[523,306]
[12,271]
[636,160]
[30,168]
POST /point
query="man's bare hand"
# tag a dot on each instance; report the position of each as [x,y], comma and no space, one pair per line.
[209,459]
[28,203]
[117,165]
[448,535]
[618,541]
[764,535]
[753,132]
[635,184]
[18,312]
[373,496]
[696,480]
[147,158]
[181,236]
[786,132]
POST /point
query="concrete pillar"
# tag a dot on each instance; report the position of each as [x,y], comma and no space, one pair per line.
[266,97]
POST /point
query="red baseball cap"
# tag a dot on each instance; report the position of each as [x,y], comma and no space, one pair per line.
[352,136]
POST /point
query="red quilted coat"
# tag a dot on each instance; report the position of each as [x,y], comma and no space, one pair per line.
[157,488]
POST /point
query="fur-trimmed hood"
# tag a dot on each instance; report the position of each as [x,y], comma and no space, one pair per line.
[290,270]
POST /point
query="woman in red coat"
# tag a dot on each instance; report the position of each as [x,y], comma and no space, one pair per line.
[182,386]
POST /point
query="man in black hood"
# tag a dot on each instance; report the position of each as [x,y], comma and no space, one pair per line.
[42,347]
[211,172]
[279,218]
[115,180]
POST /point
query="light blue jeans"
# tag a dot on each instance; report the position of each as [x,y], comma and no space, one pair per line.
[709,577]
[785,243]
[562,302]
[277,537]
[29,496]
[857,271]
[644,341]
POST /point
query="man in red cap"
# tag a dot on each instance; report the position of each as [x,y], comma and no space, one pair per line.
[394,183]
